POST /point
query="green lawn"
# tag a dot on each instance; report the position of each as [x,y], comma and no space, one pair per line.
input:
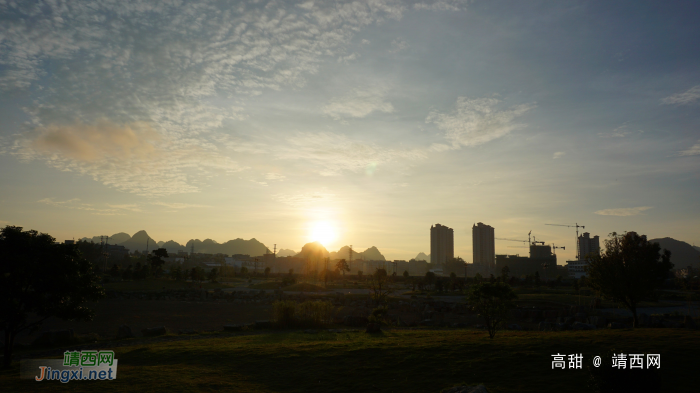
[398,361]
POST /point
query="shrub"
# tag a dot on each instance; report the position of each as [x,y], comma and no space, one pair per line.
[288,313]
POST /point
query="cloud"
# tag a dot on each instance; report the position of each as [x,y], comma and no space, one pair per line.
[442,5]
[177,205]
[398,45]
[76,204]
[476,121]
[304,200]
[558,154]
[274,176]
[131,207]
[619,132]
[693,151]
[130,157]
[685,98]
[623,212]
[166,65]
[358,104]
[330,154]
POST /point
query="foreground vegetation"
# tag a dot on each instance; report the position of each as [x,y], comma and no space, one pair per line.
[395,361]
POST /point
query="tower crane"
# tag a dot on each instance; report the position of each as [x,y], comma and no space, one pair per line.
[554,248]
[578,251]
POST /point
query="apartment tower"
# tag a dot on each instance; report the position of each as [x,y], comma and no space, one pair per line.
[483,245]
[442,244]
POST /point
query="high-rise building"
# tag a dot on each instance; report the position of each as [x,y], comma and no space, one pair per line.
[442,244]
[483,245]
[588,245]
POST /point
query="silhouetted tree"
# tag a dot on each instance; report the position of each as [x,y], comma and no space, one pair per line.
[538,282]
[342,265]
[630,269]
[267,271]
[492,301]
[504,273]
[212,275]
[115,271]
[379,285]
[405,273]
[429,279]
[40,279]
[478,278]
[156,260]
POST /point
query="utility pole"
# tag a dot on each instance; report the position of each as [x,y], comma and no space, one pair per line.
[350,257]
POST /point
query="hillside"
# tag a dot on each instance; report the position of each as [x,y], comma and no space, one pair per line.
[370,254]
[422,257]
[682,253]
[313,252]
[250,247]
[286,253]
[117,238]
[141,242]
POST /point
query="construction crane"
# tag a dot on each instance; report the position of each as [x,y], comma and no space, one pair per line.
[554,248]
[578,251]
[511,240]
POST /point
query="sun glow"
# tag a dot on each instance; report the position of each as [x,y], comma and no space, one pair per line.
[323,232]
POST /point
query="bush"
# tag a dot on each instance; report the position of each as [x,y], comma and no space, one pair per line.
[288,313]
[283,312]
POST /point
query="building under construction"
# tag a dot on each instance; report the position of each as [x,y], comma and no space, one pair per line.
[541,260]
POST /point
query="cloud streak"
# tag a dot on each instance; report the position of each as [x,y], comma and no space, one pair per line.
[692,151]
[358,104]
[623,212]
[131,157]
[685,98]
[476,121]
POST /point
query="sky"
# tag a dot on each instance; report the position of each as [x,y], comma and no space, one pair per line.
[353,122]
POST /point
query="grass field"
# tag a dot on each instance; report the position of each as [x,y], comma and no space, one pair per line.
[155,284]
[395,361]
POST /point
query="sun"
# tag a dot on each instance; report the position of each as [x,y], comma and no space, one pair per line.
[323,232]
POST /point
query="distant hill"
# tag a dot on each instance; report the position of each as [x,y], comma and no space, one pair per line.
[370,254]
[422,257]
[682,253]
[250,247]
[172,246]
[313,252]
[117,238]
[286,253]
[696,247]
[141,242]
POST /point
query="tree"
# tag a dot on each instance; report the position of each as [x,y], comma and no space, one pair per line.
[492,301]
[504,273]
[478,278]
[244,270]
[630,270]
[342,265]
[115,271]
[156,260]
[538,282]
[405,273]
[429,278]
[40,279]
[454,265]
[212,275]
[176,272]
[379,285]
[267,271]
